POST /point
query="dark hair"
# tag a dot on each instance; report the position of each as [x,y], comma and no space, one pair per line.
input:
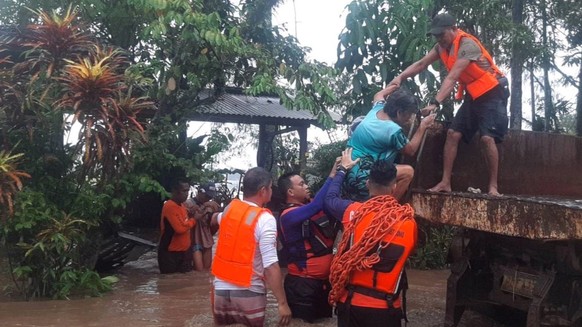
[382,172]
[255,179]
[176,183]
[400,101]
[284,183]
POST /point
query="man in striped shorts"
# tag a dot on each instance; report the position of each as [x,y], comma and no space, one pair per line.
[246,257]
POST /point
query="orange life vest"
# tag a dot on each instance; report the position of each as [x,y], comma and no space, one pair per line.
[350,210]
[385,280]
[474,79]
[235,251]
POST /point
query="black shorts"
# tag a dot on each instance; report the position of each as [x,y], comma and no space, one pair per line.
[174,261]
[367,317]
[308,298]
[487,114]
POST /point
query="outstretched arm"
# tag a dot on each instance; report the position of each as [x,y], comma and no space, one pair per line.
[299,214]
[383,94]
[334,204]
[411,147]
[448,84]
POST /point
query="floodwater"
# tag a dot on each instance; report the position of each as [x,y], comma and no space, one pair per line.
[143,297]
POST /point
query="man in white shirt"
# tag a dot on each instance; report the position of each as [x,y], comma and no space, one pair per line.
[246,260]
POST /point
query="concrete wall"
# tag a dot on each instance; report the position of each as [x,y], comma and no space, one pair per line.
[531,163]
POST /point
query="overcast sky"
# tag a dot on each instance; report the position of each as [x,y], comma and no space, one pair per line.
[319,23]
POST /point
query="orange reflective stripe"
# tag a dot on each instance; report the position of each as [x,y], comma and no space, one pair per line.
[235,250]
[474,79]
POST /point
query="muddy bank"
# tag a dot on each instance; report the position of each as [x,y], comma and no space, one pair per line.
[144,298]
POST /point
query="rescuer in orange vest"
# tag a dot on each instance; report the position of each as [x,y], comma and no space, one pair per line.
[174,249]
[485,89]
[367,277]
[246,257]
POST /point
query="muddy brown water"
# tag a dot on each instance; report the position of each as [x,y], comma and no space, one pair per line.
[143,297]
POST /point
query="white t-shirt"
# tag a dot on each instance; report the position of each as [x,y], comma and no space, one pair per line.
[265,253]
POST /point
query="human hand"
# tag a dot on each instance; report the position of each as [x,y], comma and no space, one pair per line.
[428,110]
[284,314]
[346,159]
[211,207]
[396,81]
[191,208]
[428,121]
[334,167]
[390,88]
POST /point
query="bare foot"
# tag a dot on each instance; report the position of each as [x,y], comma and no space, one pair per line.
[440,187]
[493,192]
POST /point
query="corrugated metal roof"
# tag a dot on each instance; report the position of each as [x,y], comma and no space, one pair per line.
[236,107]
[250,106]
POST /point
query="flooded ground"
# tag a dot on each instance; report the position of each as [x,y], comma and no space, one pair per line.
[143,297]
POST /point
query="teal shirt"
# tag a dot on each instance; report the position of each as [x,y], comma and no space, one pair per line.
[373,139]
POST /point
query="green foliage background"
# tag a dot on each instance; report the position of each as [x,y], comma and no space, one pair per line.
[160,57]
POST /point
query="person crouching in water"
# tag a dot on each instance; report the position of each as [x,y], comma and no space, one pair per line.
[367,277]
[307,235]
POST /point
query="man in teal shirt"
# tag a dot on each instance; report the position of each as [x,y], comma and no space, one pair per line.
[379,136]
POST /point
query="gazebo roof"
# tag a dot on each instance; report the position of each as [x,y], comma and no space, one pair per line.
[236,107]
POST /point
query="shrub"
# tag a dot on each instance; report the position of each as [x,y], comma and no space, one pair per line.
[432,251]
[48,250]
[320,163]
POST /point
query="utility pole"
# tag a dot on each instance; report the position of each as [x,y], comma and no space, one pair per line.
[295,18]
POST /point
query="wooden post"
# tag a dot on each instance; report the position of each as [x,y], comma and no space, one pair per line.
[265,149]
[302,147]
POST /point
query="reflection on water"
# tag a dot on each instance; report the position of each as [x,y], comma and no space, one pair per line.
[151,287]
[143,297]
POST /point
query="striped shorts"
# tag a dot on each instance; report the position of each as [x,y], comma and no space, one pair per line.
[239,307]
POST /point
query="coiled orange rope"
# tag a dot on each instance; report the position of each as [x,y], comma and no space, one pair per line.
[389,215]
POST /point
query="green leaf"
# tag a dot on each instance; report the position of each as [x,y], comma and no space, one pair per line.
[110,279]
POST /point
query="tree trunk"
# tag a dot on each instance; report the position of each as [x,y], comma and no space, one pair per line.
[548,106]
[534,126]
[265,149]
[516,64]
[579,104]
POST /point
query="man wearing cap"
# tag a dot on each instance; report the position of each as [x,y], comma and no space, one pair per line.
[485,91]
[202,207]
